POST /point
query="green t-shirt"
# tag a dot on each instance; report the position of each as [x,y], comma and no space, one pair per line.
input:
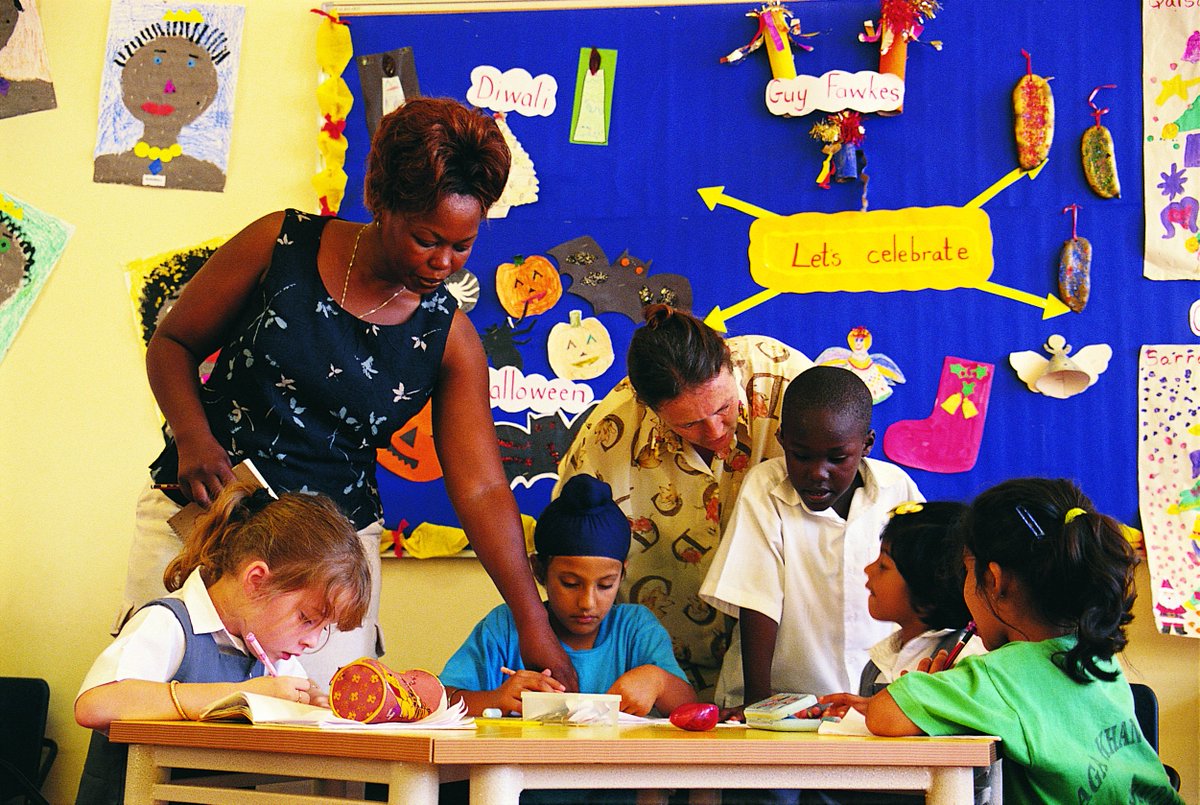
[1063,742]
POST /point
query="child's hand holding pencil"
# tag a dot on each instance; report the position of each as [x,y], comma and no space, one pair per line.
[944,659]
[510,690]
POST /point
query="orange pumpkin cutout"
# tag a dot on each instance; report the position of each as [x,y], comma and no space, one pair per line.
[528,286]
[410,454]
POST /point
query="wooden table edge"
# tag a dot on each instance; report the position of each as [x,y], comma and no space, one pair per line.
[412,747]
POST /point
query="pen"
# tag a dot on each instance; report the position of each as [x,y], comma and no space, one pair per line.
[968,633]
[165,486]
[253,643]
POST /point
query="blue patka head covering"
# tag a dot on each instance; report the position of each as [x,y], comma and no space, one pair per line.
[583,521]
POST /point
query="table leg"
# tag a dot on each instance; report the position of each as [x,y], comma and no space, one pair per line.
[141,775]
[413,784]
[996,782]
[496,785]
[951,785]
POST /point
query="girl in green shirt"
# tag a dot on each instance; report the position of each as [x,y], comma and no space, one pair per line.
[1049,582]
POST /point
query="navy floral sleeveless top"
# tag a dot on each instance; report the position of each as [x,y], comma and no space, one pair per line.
[308,391]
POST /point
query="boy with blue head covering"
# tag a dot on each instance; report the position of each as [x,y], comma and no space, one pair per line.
[581,542]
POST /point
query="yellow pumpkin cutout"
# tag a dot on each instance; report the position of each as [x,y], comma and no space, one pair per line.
[528,286]
[579,349]
[410,454]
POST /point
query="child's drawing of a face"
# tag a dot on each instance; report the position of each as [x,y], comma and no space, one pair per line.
[168,83]
[10,12]
[14,262]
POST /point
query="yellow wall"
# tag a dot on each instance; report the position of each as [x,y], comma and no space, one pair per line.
[79,424]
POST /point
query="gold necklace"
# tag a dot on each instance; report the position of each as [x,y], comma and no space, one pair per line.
[350,267]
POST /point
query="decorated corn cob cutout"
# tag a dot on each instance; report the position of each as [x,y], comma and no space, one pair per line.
[1075,266]
[1099,158]
[777,29]
[1033,107]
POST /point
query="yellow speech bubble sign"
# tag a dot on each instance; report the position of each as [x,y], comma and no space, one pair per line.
[881,250]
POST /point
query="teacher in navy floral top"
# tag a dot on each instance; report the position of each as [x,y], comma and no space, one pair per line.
[332,334]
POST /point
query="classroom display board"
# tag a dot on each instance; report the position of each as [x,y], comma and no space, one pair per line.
[925,256]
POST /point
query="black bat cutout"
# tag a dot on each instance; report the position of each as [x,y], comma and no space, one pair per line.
[534,451]
[625,286]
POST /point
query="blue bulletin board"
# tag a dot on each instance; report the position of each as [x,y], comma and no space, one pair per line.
[681,121]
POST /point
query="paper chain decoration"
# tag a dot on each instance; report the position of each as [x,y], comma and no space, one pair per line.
[334,51]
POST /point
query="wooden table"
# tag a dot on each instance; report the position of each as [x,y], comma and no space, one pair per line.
[502,759]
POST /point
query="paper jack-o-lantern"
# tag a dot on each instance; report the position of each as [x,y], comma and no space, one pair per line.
[410,454]
[528,286]
[579,349]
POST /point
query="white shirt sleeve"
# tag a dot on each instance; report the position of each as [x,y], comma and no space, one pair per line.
[747,571]
[149,647]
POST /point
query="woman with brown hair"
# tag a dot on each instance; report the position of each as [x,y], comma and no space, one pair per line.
[674,440]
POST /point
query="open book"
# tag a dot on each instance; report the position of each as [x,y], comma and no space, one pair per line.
[182,521]
[259,709]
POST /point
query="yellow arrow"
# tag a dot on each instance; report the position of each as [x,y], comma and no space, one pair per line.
[1014,175]
[716,195]
[717,317]
[1051,306]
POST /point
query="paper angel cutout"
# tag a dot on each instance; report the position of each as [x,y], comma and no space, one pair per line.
[877,370]
[1061,376]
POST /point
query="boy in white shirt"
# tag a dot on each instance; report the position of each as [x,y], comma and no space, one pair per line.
[790,565]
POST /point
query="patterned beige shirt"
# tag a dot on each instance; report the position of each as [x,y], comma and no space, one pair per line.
[678,506]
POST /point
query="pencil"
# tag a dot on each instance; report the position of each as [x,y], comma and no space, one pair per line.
[968,633]
[254,645]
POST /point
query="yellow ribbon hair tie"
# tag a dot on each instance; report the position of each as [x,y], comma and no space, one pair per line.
[908,507]
[1072,514]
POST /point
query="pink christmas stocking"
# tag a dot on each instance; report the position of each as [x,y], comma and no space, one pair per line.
[948,440]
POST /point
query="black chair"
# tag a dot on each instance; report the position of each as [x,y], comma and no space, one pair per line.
[26,754]
[1145,708]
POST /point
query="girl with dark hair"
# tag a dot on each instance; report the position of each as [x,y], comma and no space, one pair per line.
[1049,582]
[674,441]
[916,582]
[332,334]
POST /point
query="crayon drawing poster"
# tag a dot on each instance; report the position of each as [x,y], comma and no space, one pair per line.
[25,84]
[1171,154]
[1169,481]
[166,96]
[31,242]
[156,282]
